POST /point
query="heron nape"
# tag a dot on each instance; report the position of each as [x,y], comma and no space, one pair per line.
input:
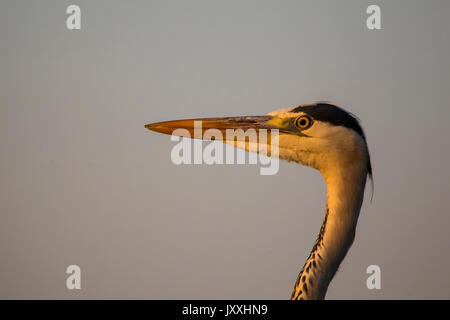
[327,138]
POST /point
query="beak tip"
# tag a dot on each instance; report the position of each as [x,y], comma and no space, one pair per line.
[158,127]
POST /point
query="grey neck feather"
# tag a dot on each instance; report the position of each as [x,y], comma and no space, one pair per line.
[344,199]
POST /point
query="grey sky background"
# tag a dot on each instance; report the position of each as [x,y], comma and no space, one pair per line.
[83,182]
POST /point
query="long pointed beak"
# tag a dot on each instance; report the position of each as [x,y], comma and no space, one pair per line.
[194,127]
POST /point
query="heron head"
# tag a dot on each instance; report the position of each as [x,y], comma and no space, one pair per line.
[320,135]
[323,136]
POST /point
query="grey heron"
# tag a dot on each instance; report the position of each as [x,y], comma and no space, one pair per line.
[325,137]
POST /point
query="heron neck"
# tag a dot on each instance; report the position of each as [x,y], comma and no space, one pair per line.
[344,199]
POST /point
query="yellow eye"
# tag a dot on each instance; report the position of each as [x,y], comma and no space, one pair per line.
[303,122]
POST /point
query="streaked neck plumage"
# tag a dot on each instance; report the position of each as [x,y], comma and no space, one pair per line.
[344,199]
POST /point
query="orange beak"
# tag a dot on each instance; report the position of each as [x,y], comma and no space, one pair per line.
[195,128]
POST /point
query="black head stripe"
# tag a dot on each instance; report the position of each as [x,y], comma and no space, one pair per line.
[334,115]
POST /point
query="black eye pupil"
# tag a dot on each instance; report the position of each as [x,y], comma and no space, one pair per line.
[302,122]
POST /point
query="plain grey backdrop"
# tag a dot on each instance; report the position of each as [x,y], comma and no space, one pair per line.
[83,182]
